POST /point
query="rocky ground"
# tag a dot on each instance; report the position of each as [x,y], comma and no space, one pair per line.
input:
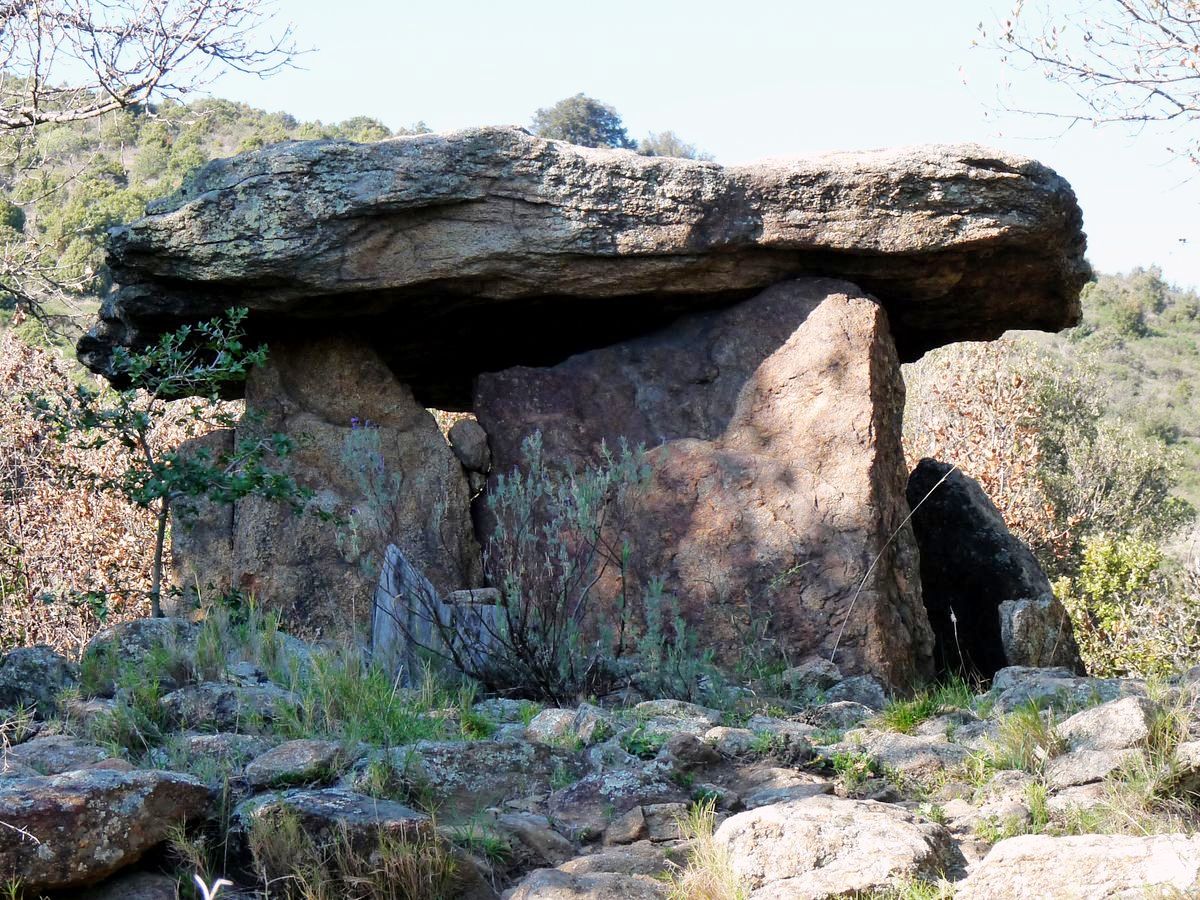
[229,750]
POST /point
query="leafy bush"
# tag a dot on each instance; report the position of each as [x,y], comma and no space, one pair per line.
[1134,613]
[198,360]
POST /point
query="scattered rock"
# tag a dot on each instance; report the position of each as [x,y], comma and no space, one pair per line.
[128,645]
[33,677]
[1086,766]
[54,754]
[330,814]
[861,689]
[298,762]
[686,752]
[580,727]
[826,846]
[554,884]
[842,714]
[585,809]
[75,829]
[1059,687]
[542,844]
[227,707]
[912,756]
[1115,725]
[1086,867]
[135,886]
[811,678]
[464,777]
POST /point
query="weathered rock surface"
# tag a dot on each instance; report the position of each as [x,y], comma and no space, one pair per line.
[497,228]
[53,754]
[298,762]
[554,884]
[463,778]
[346,413]
[777,475]
[827,847]
[64,831]
[1058,687]
[227,707]
[1086,867]
[989,602]
[586,808]
[1110,726]
[32,678]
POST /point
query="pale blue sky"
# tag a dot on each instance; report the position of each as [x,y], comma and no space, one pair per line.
[743,80]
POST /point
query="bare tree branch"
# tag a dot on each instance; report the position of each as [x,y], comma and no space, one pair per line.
[67,60]
[1132,62]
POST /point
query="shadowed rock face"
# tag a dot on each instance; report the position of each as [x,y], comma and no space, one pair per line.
[777,476]
[483,249]
[989,602]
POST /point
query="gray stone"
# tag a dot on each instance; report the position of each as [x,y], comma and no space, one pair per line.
[582,727]
[1059,687]
[861,689]
[541,843]
[586,808]
[33,677]
[1086,766]
[54,754]
[842,714]
[128,645]
[75,829]
[825,847]
[1086,867]
[912,756]
[135,886]
[554,884]
[446,247]
[810,678]
[227,707]
[1115,725]
[468,440]
[464,777]
[298,762]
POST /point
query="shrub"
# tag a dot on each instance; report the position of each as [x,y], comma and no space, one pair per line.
[555,536]
[1134,612]
[191,361]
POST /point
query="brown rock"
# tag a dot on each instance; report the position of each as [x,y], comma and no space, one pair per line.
[480,249]
[777,475]
[75,829]
[54,754]
[319,392]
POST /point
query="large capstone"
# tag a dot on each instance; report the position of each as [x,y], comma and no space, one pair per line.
[482,249]
[775,509]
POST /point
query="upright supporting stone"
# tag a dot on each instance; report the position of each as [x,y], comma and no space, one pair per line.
[410,619]
[321,575]
[775,510]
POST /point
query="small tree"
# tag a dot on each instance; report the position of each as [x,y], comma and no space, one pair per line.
[195,362]
[582,120]
[668,143]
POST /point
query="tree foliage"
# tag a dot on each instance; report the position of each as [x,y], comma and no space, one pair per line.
[582,120]
[189,362]
[1122,61]
[668,143]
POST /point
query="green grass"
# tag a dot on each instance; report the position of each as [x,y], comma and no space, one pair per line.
[642,743]
[708,873]
[905,715]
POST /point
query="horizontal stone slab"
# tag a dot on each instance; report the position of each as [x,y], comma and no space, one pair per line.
[477,250]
